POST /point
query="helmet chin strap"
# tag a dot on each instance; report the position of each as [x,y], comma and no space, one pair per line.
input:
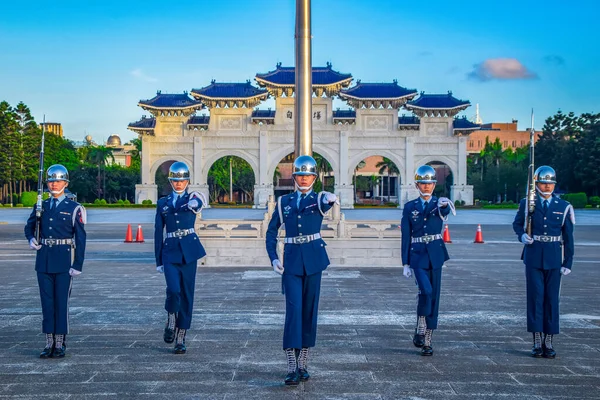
[304,187]
[543,193]
[55,192]
[423,194]
[179,191]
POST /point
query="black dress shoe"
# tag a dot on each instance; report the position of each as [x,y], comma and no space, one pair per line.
[426,351]
[59,352]
[418,340]
[169,335]
[536,352]
[303,375]
[47,352]
[548,352]
[180,348]
[292,379]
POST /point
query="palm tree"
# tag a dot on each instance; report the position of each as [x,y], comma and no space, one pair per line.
[98,155]
[387,166]
[360,165]
[323,167]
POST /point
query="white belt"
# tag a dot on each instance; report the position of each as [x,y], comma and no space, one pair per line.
[302,239]
[53,242]
[180,233]
[543,238]
[426,238]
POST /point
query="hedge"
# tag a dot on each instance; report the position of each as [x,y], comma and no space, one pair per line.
[578,200]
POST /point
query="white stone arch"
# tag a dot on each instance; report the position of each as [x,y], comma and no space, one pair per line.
[157,163]
[383,153]
[278,155]
[444,159]
[213,157]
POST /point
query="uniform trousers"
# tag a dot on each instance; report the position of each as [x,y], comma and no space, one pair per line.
[543,292]
[181,284]
[429,282]
[55,290]
[301,309]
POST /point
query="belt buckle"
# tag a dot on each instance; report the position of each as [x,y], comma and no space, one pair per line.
[179,233]
[302,239]
[51,242]
[427,239]
[545,238]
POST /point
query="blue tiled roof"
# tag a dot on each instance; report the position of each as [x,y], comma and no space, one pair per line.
[408,120]
[344,114]
[263,114]
[464,123]
[287,76]
[378,91]
[144,123]
[438,101]
[236,90]
[181,100]
[199,120]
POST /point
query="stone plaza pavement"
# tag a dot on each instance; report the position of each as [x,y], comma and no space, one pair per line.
[364,349]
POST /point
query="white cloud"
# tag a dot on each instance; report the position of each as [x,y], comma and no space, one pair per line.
[500,69]
[141,75]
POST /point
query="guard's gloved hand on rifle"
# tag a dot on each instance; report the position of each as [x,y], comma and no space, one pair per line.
[33,244]
[526,239]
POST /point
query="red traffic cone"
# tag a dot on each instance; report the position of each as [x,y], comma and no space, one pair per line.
[447,235]
[139,236]
[478,235]
[128,238]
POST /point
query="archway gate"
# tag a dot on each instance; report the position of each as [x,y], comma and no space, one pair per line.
[343,137]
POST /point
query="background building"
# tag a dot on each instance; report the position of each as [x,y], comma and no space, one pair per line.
[53,127]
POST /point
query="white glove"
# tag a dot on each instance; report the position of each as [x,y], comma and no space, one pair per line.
[443,201]
[193,204]
[74,272]
[407,272]
[329,197]
[565,271]
[160,269]
[33,244]
[526,239]
[277,267]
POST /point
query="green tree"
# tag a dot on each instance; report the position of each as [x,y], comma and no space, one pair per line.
[387,166]
[98,156]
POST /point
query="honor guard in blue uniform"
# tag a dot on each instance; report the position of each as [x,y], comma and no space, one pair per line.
[177,249]
[424,252]
[60,254]
[547,255]
[304,259]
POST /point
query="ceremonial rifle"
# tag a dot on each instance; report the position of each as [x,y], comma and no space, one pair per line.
[530,180]
[38,205]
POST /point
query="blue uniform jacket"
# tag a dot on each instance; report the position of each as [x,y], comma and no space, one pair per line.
[417,222]
[176,250]
[557,221]
[65,222]
[299,259]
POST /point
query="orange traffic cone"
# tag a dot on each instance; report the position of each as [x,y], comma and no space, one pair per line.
[128,238]
[139,236]
[447,235]
[478,235]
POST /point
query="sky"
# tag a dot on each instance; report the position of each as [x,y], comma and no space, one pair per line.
[86,64]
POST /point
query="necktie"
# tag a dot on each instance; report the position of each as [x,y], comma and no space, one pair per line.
[302,197]
[179,201]
[54,204]
[545,205]
[425,205]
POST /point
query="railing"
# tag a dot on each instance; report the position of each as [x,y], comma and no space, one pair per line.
[334,227]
